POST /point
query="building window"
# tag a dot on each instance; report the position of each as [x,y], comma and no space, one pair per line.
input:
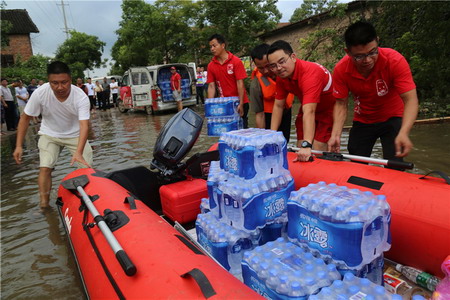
[7,61]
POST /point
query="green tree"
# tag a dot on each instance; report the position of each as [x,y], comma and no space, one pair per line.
[81,51]
[324,44]
[419,31]
[34,67]
[5,28]
[311,8]
[240,21]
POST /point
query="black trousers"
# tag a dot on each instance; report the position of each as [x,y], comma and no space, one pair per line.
[92,100]
[363,137]
[114,96]
[285,125]
[244,117]
[200,95]
[11,115]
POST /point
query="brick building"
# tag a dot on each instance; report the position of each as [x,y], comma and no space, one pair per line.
[18,34]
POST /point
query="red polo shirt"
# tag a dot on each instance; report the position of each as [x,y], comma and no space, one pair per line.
[225,75]
[311,83]
[377,97]
[175,81]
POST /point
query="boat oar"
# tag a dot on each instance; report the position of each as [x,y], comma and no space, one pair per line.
[384,162]
[122,257]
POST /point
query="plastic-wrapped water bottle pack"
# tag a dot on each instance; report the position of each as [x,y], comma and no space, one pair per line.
[354,288]
[253,152]
[283,270]
[345,225]
[222,115]
[223,242]
[220,107]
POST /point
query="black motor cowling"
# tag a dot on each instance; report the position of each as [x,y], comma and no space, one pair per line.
[175,140]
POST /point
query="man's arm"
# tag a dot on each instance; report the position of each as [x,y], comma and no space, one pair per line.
[78,155]
[211,90]
[277,114]
[21,131]
[241,89]
[309,128]
[402,142]
[339,117]
[179,85]
[3,101]
[257,103]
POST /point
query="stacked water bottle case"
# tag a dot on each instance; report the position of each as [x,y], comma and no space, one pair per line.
[255,205]
[333,231]
[222,115]
[344,226]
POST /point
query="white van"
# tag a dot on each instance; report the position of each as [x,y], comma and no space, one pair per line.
[148,88]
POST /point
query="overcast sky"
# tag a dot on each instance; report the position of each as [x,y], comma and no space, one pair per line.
[99,18]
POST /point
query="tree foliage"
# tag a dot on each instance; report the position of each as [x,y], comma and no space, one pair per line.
[324,44]
[311,8]
[34,67]
[419,30]
[81,51]
[177,31]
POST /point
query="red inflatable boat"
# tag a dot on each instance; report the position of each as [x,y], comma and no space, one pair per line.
[126,247]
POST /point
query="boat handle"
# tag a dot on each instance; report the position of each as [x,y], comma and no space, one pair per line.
[440,173]
[202,281]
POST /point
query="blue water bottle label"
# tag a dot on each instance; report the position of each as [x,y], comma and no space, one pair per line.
[217,250]
[340,241]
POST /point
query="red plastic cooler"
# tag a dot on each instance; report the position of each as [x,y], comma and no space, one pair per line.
[181,200]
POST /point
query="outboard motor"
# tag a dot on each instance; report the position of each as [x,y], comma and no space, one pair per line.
[175,140]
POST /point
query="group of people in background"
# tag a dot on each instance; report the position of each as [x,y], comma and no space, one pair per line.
[99,94]
[378,79]
[14,98]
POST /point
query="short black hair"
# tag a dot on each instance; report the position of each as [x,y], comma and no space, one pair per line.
[259,51]
[58,67]
[359,33]
[3,79]
[218,37]
[89,78]
[280,45]
[112,78]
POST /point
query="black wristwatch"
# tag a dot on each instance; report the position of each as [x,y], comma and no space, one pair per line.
[306,144]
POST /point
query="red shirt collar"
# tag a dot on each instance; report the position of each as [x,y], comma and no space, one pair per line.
[230,56]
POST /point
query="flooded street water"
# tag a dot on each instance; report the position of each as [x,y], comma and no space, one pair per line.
[36,262]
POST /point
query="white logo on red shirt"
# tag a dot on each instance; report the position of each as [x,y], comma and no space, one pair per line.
[382,88]
[230,68]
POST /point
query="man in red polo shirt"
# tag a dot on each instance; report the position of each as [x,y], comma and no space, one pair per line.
[312,84]
[263,88]
[384,92]
[175,85]
[226,74]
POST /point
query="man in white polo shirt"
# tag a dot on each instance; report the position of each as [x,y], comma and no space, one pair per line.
[65,123]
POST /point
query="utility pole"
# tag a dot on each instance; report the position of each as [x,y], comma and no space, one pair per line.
[66,29]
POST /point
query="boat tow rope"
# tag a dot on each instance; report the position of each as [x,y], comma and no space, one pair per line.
[87,228]
[202,281]
[383,162]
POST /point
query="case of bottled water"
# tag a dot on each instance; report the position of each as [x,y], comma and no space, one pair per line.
[219,125]
[215,176]
[251,204]
[225,243]
[345,225]
[253,151]
[221,107]
[283,270]
[354,288]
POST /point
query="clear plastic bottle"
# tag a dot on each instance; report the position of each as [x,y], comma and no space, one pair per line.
[419,277]
[442,291]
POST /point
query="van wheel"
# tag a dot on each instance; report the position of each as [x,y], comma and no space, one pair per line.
[121,107]
[149,110]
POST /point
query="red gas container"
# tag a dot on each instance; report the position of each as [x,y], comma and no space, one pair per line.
[181,200]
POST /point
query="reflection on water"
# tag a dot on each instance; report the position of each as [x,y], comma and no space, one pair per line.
[36,261]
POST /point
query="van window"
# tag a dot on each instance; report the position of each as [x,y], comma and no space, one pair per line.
[125,80]
[144,78]
[135,78]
